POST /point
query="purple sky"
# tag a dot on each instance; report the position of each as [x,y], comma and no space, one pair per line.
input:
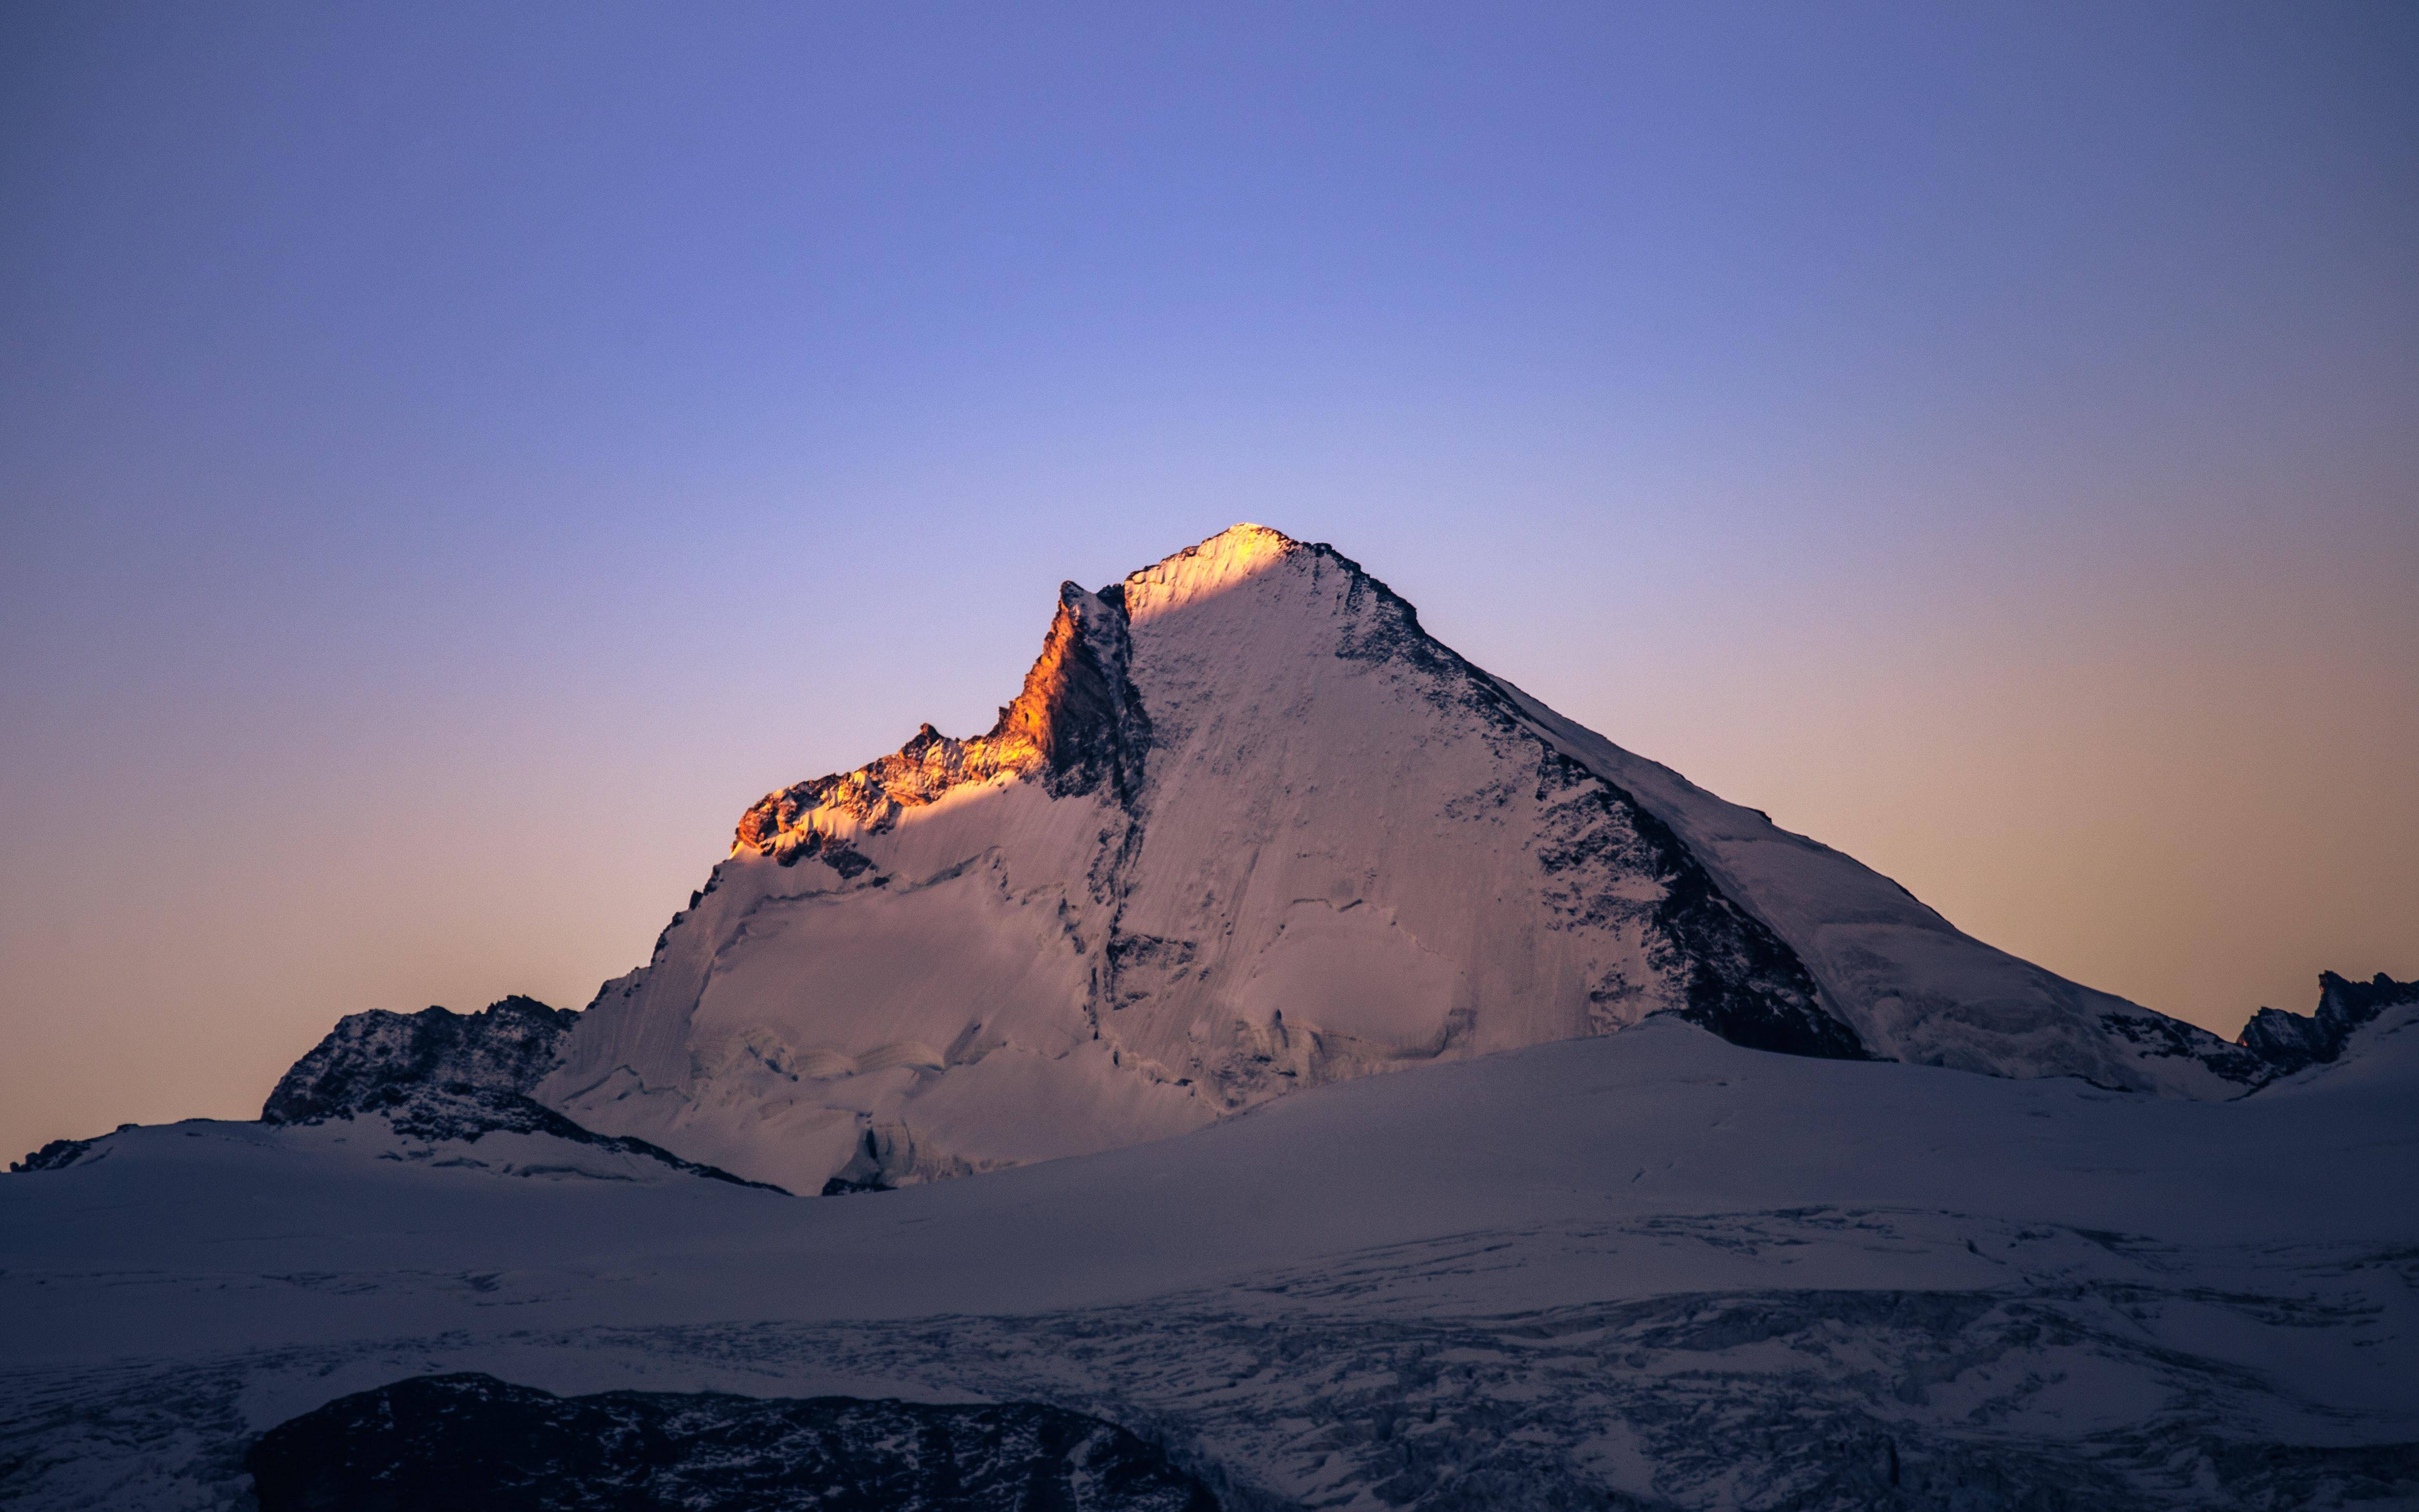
[457,456]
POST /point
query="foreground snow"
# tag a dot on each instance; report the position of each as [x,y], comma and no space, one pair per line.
[1651,1265]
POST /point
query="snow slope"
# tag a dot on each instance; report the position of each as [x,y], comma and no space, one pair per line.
[1248,828]
[1652,1266]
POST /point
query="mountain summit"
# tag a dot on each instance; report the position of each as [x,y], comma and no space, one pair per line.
[1248,827]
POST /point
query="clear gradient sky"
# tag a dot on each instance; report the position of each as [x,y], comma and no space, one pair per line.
[456,456]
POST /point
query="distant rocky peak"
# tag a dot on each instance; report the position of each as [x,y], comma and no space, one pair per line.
[2292,1041]
[440,1077]
[379,1060]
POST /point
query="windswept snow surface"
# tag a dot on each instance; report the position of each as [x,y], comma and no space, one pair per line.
[1248,828]
[1652,1265]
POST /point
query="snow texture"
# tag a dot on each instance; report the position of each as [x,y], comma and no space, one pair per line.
[1644,1269]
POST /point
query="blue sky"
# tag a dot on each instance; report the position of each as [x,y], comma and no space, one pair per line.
[457,456]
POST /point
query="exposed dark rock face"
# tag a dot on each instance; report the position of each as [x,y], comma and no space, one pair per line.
[2155,1035]
[473,1441]
[1077,724]
[438,1074]
[1077,708]
[1741,981]
[56,1156]
[2294,1041]
[380,1061]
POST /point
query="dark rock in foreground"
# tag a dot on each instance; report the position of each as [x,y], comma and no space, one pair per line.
[471,1442]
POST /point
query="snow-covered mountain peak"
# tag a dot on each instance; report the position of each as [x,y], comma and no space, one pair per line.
[1247,827]
[1076,722]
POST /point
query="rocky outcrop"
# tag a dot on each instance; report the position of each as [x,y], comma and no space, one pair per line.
[1077,724]
[2288,1042]
[1077,711]
[56,1156]
[427,1070]
[471,1441]
[438,1075]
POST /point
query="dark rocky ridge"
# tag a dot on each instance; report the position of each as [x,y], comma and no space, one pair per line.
[2295,1041]
[56,1156]
[441,1075]
[1077,708]
[1077,724]
[380,1061]
[471,1441]
[433,1075]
